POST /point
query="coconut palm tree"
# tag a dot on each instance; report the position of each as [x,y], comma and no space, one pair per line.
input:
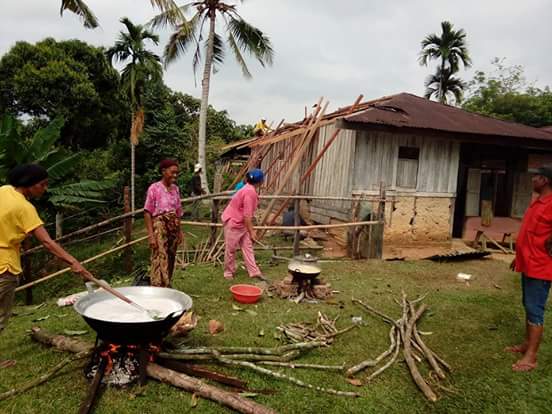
[90,21]
[451,49]
[443,84]
[241,38]
[142,66]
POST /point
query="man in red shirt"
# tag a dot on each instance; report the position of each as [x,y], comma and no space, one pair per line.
[534,262]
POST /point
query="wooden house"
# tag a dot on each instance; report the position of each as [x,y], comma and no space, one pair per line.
[442,165]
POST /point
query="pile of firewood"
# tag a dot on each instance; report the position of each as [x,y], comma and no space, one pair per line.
[404,335]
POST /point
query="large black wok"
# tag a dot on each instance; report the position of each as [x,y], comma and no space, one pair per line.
[134,332]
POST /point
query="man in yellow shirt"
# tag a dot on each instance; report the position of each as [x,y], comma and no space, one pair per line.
[18,219]
[261,128]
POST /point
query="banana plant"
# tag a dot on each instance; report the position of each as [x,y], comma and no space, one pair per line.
[41,149]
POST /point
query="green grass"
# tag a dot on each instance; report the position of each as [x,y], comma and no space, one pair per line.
[471,325]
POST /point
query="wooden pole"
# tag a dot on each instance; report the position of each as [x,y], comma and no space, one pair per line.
[309,134]
[67,269]
[291,228]
[214,219]
[315,162]
[120,217]
[59,225]
[296,222]
[376,232]
[27,272]
[128,231]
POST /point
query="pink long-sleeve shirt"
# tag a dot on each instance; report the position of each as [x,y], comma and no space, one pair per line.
[161,200]
[243,204]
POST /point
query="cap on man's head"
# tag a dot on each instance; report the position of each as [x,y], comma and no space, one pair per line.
[544,170]
[255,176]
[197,167]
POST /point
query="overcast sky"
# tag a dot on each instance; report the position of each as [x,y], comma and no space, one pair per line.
[333,48]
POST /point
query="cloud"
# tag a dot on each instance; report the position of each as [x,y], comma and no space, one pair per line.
[338,49]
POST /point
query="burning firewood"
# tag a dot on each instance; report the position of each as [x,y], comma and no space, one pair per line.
[168,376]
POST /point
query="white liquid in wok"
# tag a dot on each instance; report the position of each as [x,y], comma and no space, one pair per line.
[115,310]
[304,268]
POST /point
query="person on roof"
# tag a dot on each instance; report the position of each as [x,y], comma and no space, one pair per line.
[261,128]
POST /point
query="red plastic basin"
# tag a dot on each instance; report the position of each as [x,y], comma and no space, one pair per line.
[246,293]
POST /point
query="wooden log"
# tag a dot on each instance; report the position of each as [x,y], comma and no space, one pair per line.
[426,351]
[202,372]
[168,376]
[288,378]
[86,406]
[355,369]
[407,352]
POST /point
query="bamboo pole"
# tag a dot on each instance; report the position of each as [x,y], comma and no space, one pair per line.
[295,162]
[291,228]
[313,197]
[120,217]
[91,259]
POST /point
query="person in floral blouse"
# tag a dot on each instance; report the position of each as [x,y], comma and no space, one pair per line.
[162,212]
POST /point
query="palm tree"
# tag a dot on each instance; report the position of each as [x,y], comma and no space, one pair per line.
[143,66]
[241,38]
[442,84]
[90,21]
[451,49]
[80,8]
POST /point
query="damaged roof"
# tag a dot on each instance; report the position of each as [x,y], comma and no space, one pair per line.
[411,111]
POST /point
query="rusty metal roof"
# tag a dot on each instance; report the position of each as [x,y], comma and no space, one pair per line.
[411,111]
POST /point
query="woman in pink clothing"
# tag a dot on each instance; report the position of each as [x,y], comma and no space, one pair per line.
[162,212]
[238,226]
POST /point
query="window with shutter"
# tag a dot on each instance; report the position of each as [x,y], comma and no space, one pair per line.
[407,167]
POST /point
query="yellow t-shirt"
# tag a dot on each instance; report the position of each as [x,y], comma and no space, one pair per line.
[18,218]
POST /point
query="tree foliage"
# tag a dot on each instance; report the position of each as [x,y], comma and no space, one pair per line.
[41,149]
[505,94]
[67,79]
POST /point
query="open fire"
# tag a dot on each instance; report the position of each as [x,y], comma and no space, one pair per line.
[122,364]
[296,288]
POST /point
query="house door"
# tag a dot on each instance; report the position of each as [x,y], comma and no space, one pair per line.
[487,185]
[473,190]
